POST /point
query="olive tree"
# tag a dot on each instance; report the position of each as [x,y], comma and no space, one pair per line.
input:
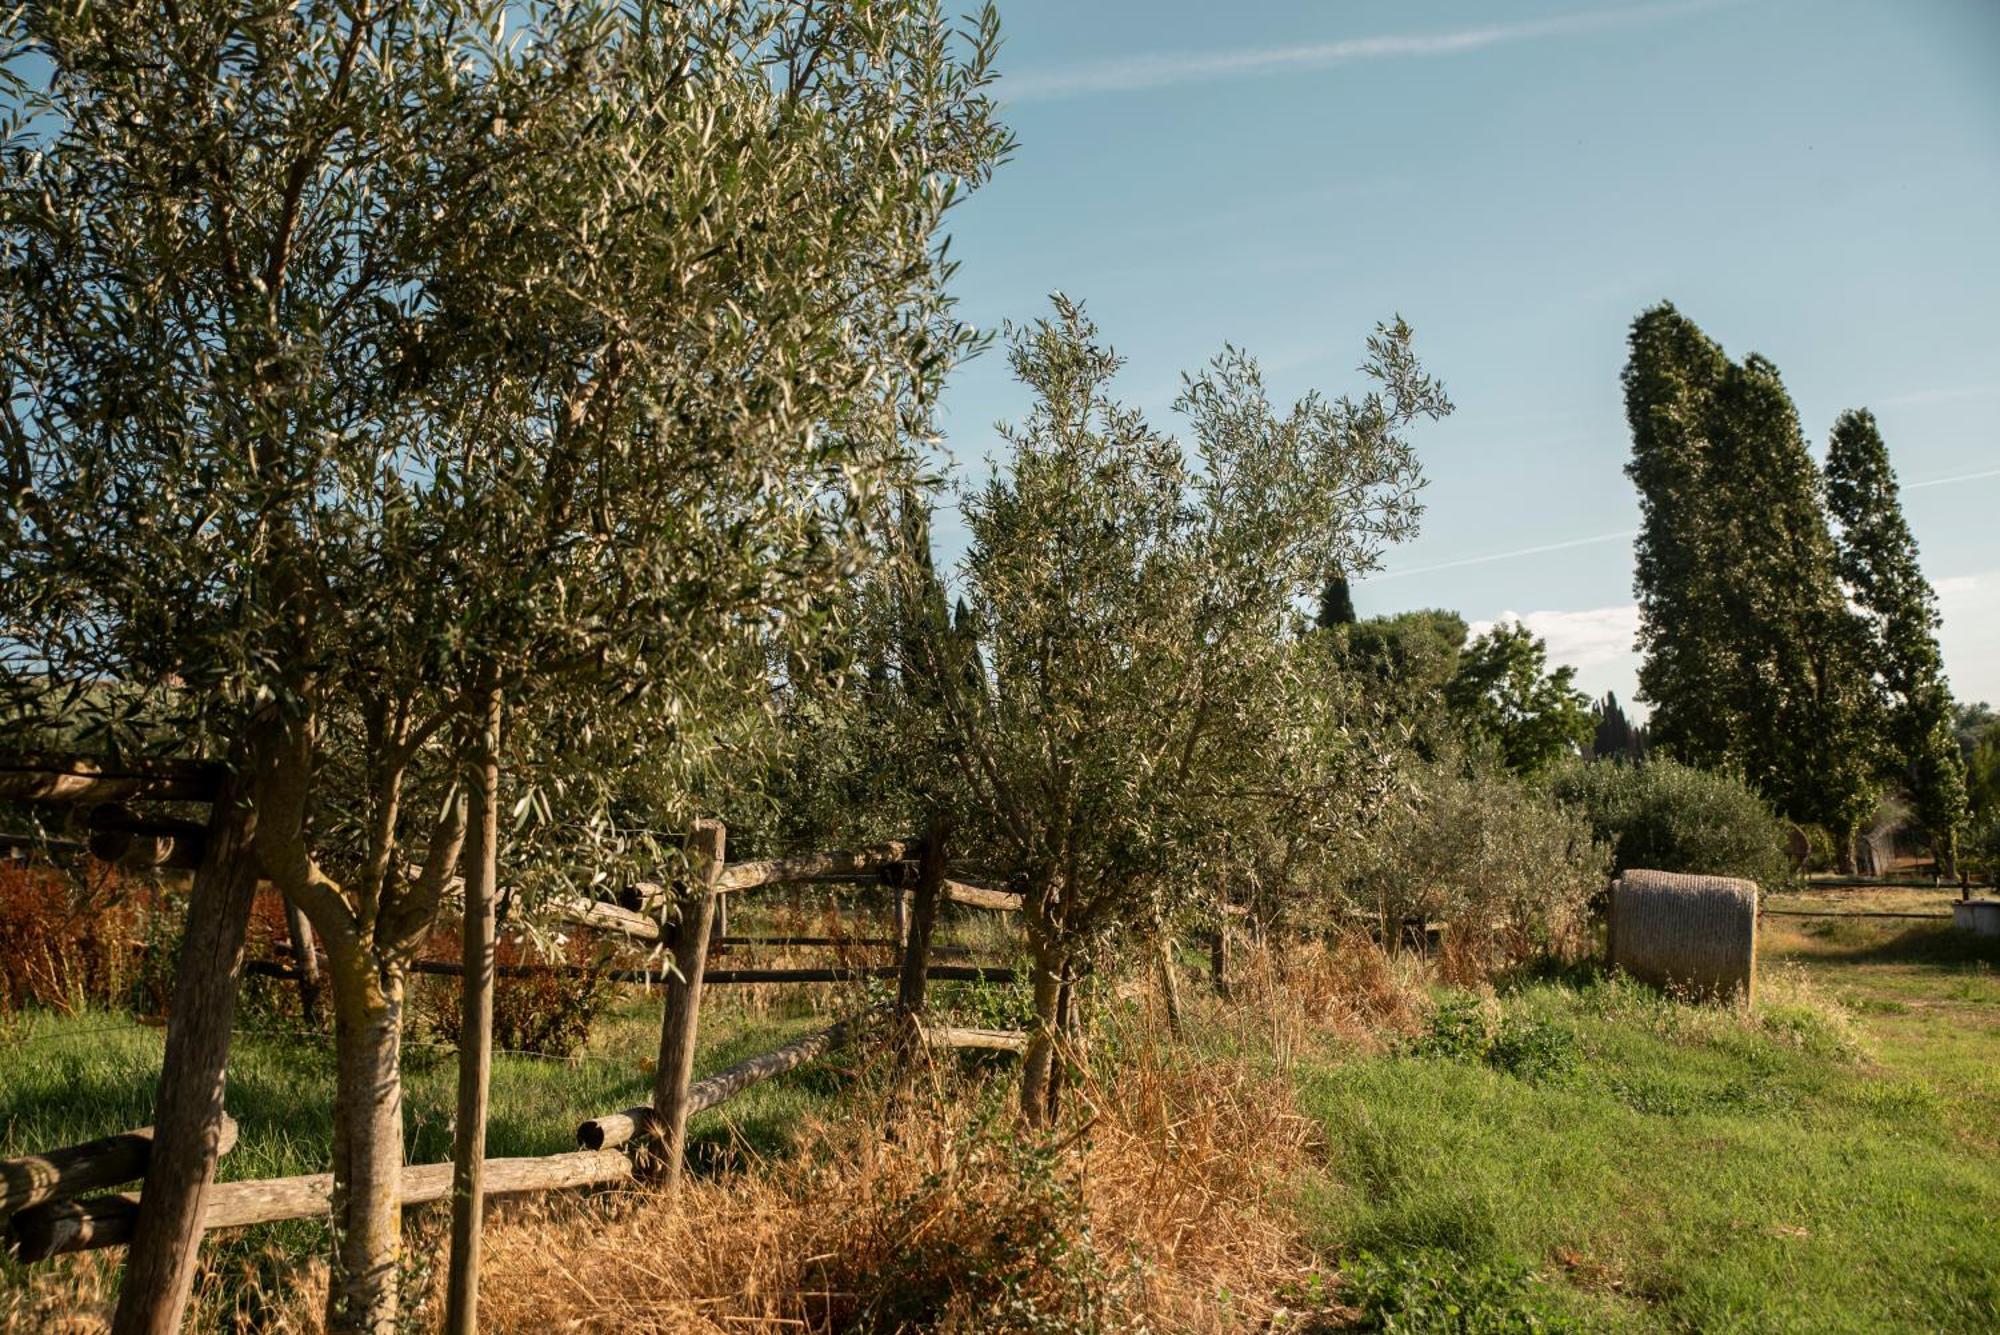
[374,369]
[1128,609]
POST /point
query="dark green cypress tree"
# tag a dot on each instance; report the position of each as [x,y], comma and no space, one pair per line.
[1752,659]
[1878,560]
[1671,377]
[1613,734]
[1336,603]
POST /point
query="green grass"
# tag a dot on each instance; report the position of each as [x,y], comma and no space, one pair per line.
[1810,1166]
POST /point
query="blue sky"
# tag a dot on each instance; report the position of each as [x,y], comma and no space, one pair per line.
[1816,180]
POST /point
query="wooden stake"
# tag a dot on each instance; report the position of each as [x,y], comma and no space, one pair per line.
[188,1121]
[475,1030]
[706,848]
[1170,981]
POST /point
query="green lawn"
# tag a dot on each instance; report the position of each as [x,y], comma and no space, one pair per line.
[1584,1151]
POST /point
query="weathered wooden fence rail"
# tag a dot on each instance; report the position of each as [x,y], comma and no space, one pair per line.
[59,1227]
[58,1202]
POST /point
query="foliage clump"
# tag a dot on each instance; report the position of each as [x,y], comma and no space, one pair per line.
[1506,869]
[1672,817]
[70,942]
[1438,1292]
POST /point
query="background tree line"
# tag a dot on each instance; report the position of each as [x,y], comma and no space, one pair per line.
[1787,630]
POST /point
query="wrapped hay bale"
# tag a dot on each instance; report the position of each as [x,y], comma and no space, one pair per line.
[1692,933]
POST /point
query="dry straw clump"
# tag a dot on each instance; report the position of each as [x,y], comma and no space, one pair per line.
[1160,1206]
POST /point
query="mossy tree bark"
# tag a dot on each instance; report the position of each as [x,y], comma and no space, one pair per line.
[370,928]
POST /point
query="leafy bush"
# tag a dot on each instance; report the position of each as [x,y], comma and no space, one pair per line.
[1529,1048]
[1671,817]
[1434,1292]
[92,938]
[1982,850]
[1505,868]
[548,1011]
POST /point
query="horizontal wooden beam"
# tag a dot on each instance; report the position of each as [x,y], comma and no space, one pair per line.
[857,942]
[123,838]
[808,866]
[980,897]
[606,917]
[941,973]
[952,1036]
[30,1179]
[1844,913]
[58,1227]
[602,1133]
[41,777]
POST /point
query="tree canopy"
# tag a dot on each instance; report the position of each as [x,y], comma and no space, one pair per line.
[1751,657]
[1877,558]
[1134,620]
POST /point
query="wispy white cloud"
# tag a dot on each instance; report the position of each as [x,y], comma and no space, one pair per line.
[1165,69]
[1583,639]
[1621,536]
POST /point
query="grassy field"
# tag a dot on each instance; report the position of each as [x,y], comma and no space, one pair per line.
[1581,1151]
[1569,1152]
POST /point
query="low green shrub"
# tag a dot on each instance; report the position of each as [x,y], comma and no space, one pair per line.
[1436,1292]
[1528,1047]
[1505,868]
[1672,817]
[545,1012]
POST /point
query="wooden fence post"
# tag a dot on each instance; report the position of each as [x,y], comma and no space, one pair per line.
[706,847]
[1170,980]
[921,923]
[188,1121]
[1218,957]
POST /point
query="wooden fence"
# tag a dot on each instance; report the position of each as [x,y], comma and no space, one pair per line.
[56,1202]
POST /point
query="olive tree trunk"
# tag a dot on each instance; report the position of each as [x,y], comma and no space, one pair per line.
[1039,1059]
[367,1146]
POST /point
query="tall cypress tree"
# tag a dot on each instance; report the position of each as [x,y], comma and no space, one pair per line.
[1878,560]
[1671,378]
[1336,603]
[1752,660]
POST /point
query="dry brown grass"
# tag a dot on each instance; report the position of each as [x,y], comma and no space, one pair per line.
[1160,1204]
[1164,1201]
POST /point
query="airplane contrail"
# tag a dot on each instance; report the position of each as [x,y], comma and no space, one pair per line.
[1567,544]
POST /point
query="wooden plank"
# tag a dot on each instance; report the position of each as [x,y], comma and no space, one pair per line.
[75,1170]
[980,897]
[1848,913]
[808,866]
[606,917]
[613,1129]
[44,777]
[922,920]
[59,1227]
[123,838]
[938,973]
[954,1036]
